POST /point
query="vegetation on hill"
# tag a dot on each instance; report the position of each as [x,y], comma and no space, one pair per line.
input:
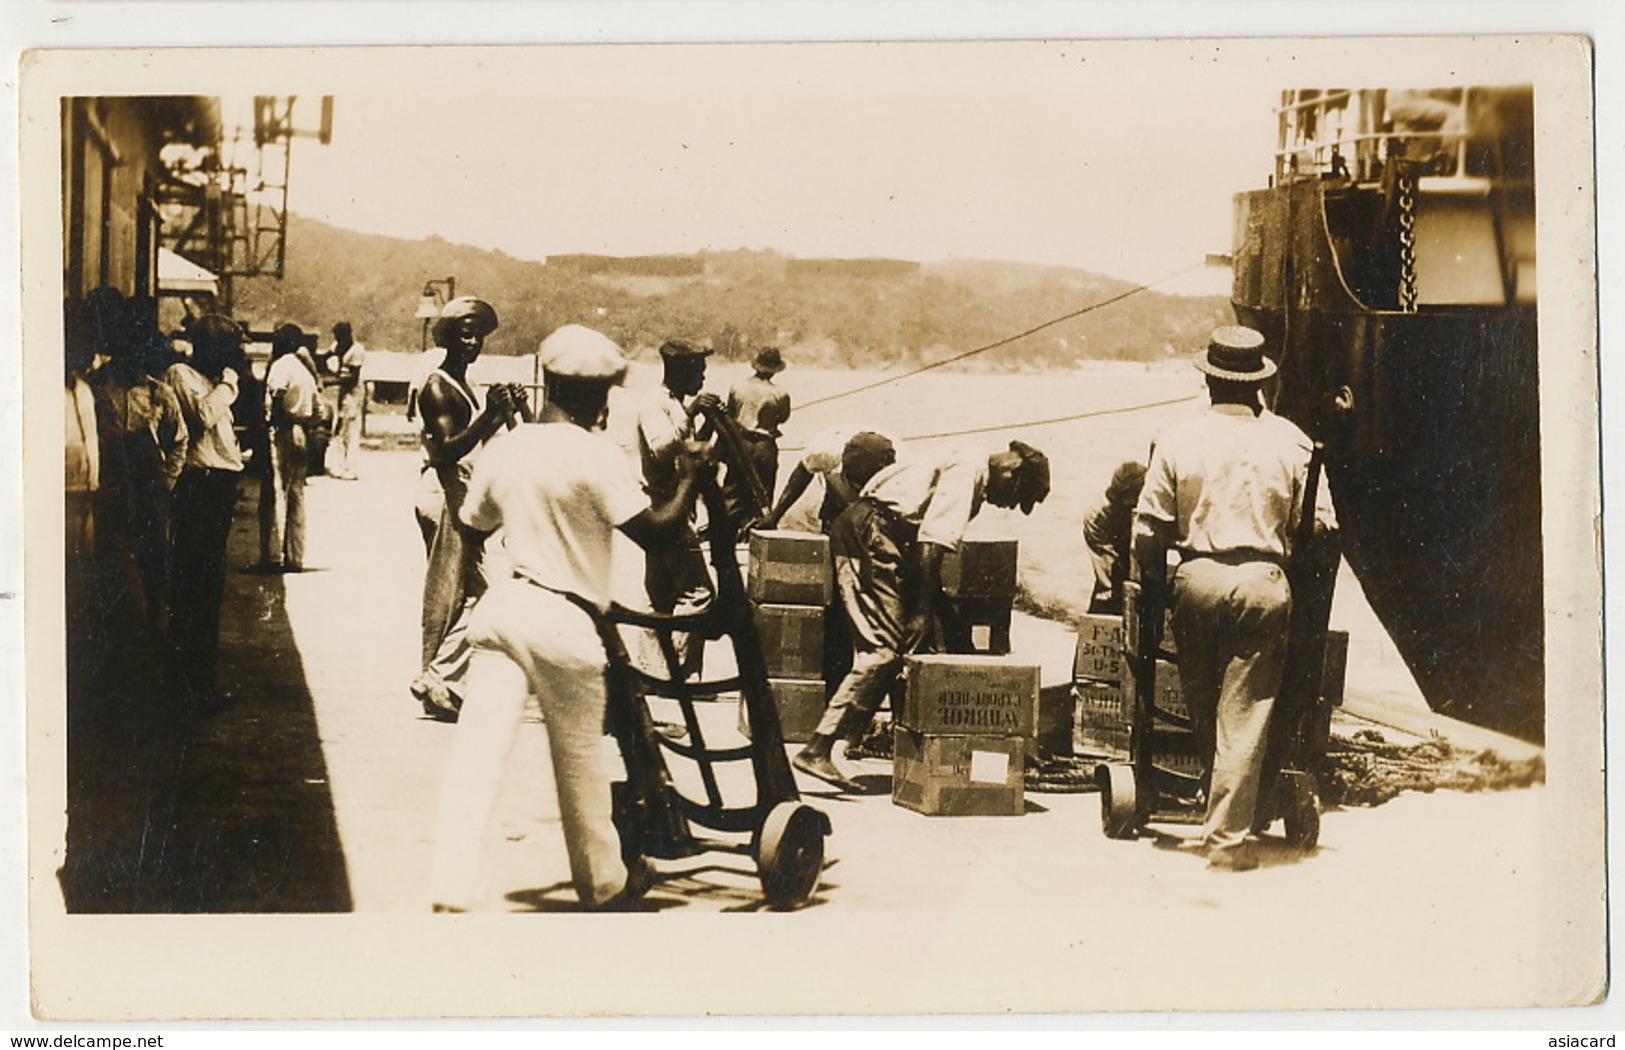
[868,318]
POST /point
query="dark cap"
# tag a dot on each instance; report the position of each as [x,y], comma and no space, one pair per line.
[464,306]
[865,455]
[1236,353]
[677,350]
[1032,476]
[769,360]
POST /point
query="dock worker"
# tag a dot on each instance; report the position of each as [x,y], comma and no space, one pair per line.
[1106,531]
[457,422]
[760,408]
[675,576]
[1226,490]
[888,549]
[292,396]
[352,358]
[207,388]
[845,457]
[559,490]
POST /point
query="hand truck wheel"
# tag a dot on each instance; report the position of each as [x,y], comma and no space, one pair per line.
[1302,811]
[790,853]
[1119,806]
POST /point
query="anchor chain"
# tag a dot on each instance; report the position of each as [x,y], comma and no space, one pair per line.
[1407,241]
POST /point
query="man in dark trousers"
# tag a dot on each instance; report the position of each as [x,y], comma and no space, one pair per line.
[457,422]
[1226,491]
[675,576]
[759,408]
[206,387]
[845,457]
[888,549]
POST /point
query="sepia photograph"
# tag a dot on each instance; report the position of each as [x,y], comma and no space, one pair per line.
[1051,526]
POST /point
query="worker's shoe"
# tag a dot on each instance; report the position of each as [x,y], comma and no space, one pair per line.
[1235,858]
[823,767]
[640,875]
[439,701]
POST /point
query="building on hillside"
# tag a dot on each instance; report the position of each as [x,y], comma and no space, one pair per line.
[864,268]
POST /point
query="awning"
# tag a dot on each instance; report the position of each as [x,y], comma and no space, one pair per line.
[178,275]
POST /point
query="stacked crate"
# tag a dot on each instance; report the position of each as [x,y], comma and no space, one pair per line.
[1103,688]
[1102,698]
[980,580]
[960,741]
[790,583]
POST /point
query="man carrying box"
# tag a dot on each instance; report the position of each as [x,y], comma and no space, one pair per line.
[888,549]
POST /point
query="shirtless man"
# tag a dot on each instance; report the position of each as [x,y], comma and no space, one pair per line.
[456,423]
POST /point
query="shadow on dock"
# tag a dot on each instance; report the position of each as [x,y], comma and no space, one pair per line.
[227,811]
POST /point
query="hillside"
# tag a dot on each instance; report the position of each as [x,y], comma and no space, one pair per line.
[870,314]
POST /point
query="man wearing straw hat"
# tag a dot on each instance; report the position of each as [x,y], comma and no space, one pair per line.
[1226,490]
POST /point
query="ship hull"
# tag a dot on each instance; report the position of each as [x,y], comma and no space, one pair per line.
[1431,423]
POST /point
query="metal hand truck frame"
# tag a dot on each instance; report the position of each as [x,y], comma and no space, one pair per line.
[786,837]
[1151,788]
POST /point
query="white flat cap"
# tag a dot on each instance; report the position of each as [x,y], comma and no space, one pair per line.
[582,353]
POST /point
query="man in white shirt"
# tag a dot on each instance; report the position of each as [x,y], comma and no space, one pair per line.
[888,549]
[290,408]
[352,357]
[206,388]
[675,574]
[558,490]
[1226,489]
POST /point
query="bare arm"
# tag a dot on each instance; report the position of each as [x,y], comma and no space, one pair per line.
[445,438]
[800,478]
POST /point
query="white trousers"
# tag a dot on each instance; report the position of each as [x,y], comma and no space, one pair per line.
[527,639]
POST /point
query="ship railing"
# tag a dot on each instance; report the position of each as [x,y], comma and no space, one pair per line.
[1360,156]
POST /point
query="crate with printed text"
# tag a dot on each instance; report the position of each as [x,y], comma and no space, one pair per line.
[958,776]
[1099,655]
[970,695]
[790,568]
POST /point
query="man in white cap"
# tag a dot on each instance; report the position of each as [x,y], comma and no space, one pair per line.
[1226,490]
[558,489]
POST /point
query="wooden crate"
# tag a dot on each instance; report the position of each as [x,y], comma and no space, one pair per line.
[792,638]
[980,569]
[790,568]
[1099,655]
[970,695]
[800,705]
[958,776]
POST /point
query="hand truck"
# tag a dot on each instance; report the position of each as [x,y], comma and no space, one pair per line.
[1165,779]
[655,819]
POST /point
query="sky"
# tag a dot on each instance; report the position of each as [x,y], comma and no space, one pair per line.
[1117,158]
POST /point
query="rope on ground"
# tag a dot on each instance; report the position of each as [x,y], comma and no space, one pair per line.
[1364,769]
[1136,290]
